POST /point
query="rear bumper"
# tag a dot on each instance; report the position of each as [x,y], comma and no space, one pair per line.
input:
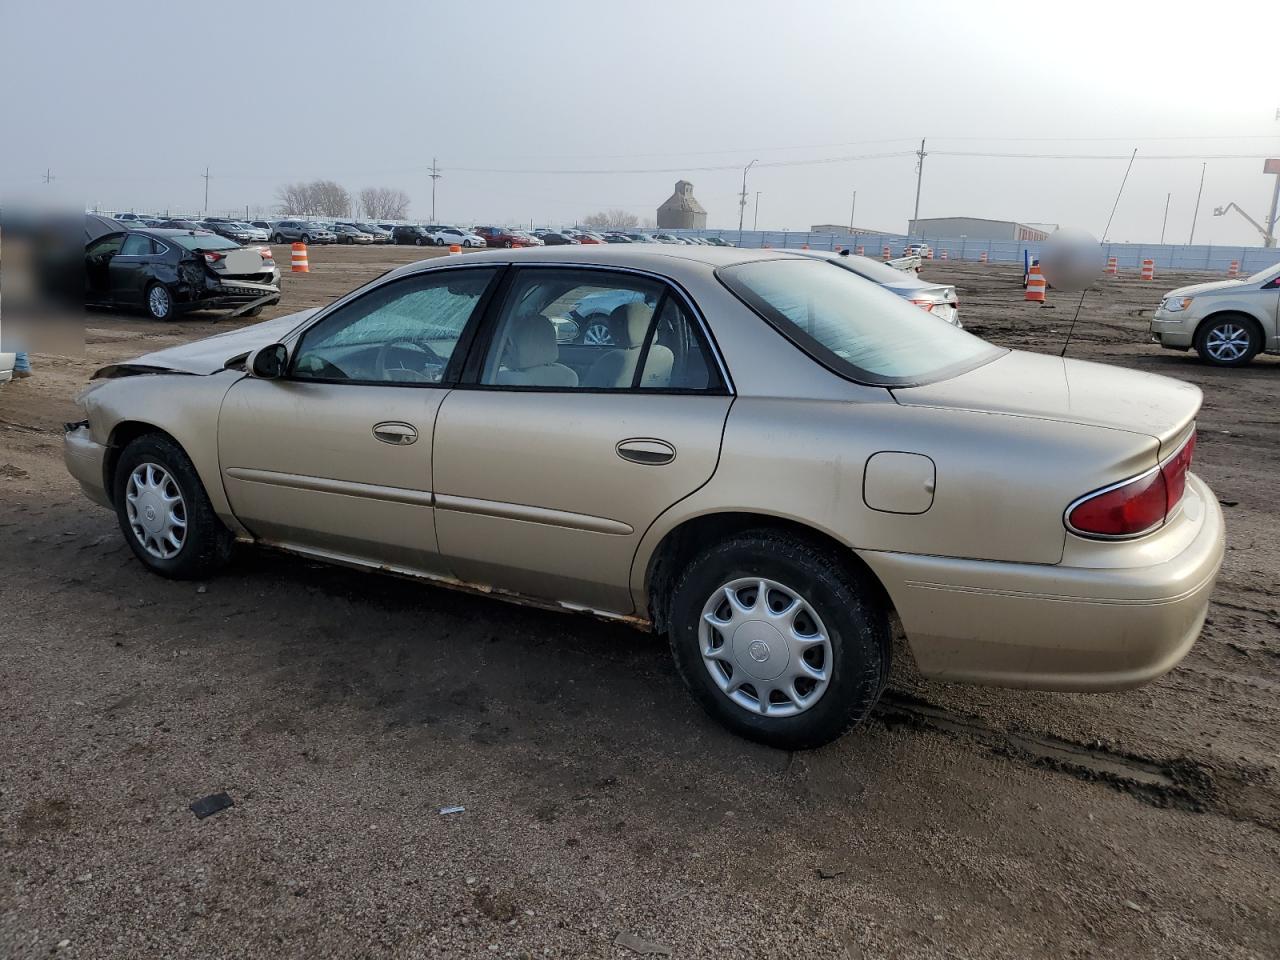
[1063,627]
[85,459]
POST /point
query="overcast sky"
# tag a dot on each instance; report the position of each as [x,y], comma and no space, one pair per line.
[127,103]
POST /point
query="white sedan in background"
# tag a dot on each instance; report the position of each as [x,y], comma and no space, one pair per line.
[448,236]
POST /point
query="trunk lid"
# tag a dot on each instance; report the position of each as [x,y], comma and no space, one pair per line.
[1071,391]
[208,356]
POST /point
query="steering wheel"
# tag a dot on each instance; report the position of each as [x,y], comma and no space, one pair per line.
[429,356]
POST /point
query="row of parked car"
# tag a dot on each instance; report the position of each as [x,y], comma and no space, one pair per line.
[315,231]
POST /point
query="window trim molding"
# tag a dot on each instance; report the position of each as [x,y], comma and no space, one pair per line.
[453,369]
[470,376]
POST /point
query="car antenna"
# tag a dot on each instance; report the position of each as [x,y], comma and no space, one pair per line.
[1105,233]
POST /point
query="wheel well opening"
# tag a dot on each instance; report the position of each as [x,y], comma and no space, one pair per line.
[1244,318]
[683,543]
[122,435]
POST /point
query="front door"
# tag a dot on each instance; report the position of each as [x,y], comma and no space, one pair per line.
[336,457]
[553,457]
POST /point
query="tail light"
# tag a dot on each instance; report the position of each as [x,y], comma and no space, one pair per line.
[266,253]
[214,257]
[925,305]
[1135,506]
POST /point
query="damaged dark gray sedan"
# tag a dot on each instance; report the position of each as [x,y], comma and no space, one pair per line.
[165,272]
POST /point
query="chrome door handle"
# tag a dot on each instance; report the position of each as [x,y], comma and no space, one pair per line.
[401,434]
[646,450]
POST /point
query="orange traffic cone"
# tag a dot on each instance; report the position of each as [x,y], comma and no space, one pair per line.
[298,258]
[1035,285]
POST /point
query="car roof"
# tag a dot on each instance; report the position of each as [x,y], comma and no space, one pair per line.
[639,256]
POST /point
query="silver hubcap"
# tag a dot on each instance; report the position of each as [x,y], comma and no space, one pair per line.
[1227,341]
[156,510]
[765,647]
[159,300]
[598,335]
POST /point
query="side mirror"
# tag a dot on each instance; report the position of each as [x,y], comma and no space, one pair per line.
[566,329]
[269,363]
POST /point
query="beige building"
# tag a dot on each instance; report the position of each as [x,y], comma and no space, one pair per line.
[682,211]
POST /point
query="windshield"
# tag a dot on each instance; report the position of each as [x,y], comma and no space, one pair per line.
[204,241]
[1268,273]
[852,326]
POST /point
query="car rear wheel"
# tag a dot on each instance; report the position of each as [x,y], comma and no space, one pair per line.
[159,302]
[781,640]
[507,244]
[164,512]
[1231,340]
[278,238]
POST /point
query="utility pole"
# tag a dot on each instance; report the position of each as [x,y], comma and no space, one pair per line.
[742,202]
[1167,198]
[206,191]
[1192,239]
[851,211]
[48,176]
[755,221]
[920,154]
[435,175]
[1273,166]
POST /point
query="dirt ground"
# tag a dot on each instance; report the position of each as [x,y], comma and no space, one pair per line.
[341,711]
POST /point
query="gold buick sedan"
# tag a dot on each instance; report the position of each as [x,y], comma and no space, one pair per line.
[762,455]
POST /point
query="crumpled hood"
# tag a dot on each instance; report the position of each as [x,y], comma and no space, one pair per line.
[1071,391]
[1193,289]
[208,356]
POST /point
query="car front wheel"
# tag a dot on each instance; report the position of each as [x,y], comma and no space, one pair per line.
[1229,341]
[159,302]
[780,639]
[306,238]
[164,512]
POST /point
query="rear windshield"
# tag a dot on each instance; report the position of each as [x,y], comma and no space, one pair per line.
[204,241]
[873,269]
[852,326]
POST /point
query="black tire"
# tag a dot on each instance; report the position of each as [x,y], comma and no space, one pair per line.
[846,600]
[278,238]
[252,313]
[207,544]
[507,244]
[306,238]
[153,297]
[439,241]
[1241,325]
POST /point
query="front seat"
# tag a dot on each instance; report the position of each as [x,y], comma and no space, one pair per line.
[629,324]
[531,357]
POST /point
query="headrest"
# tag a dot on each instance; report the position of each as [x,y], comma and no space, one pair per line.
[532,343]
[629,324]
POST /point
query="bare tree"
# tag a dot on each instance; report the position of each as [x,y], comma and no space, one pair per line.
[384,203]
[330,199]
[612,220]
[319,198]
[295,199]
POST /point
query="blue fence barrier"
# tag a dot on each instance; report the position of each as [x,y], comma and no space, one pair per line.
[1129,256]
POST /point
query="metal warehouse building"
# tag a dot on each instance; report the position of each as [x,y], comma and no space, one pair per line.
[976,228]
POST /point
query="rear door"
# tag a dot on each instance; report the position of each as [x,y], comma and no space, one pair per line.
[549,468]
[132,268]
[335,458]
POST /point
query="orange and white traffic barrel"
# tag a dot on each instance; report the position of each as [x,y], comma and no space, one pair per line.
[928,254]
[859,250]
[982,257]
[945,256]
[1113,267]
[298,258]
[454,248]
[1035,285]
[1234,269]
[885,253]
[1148,269]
